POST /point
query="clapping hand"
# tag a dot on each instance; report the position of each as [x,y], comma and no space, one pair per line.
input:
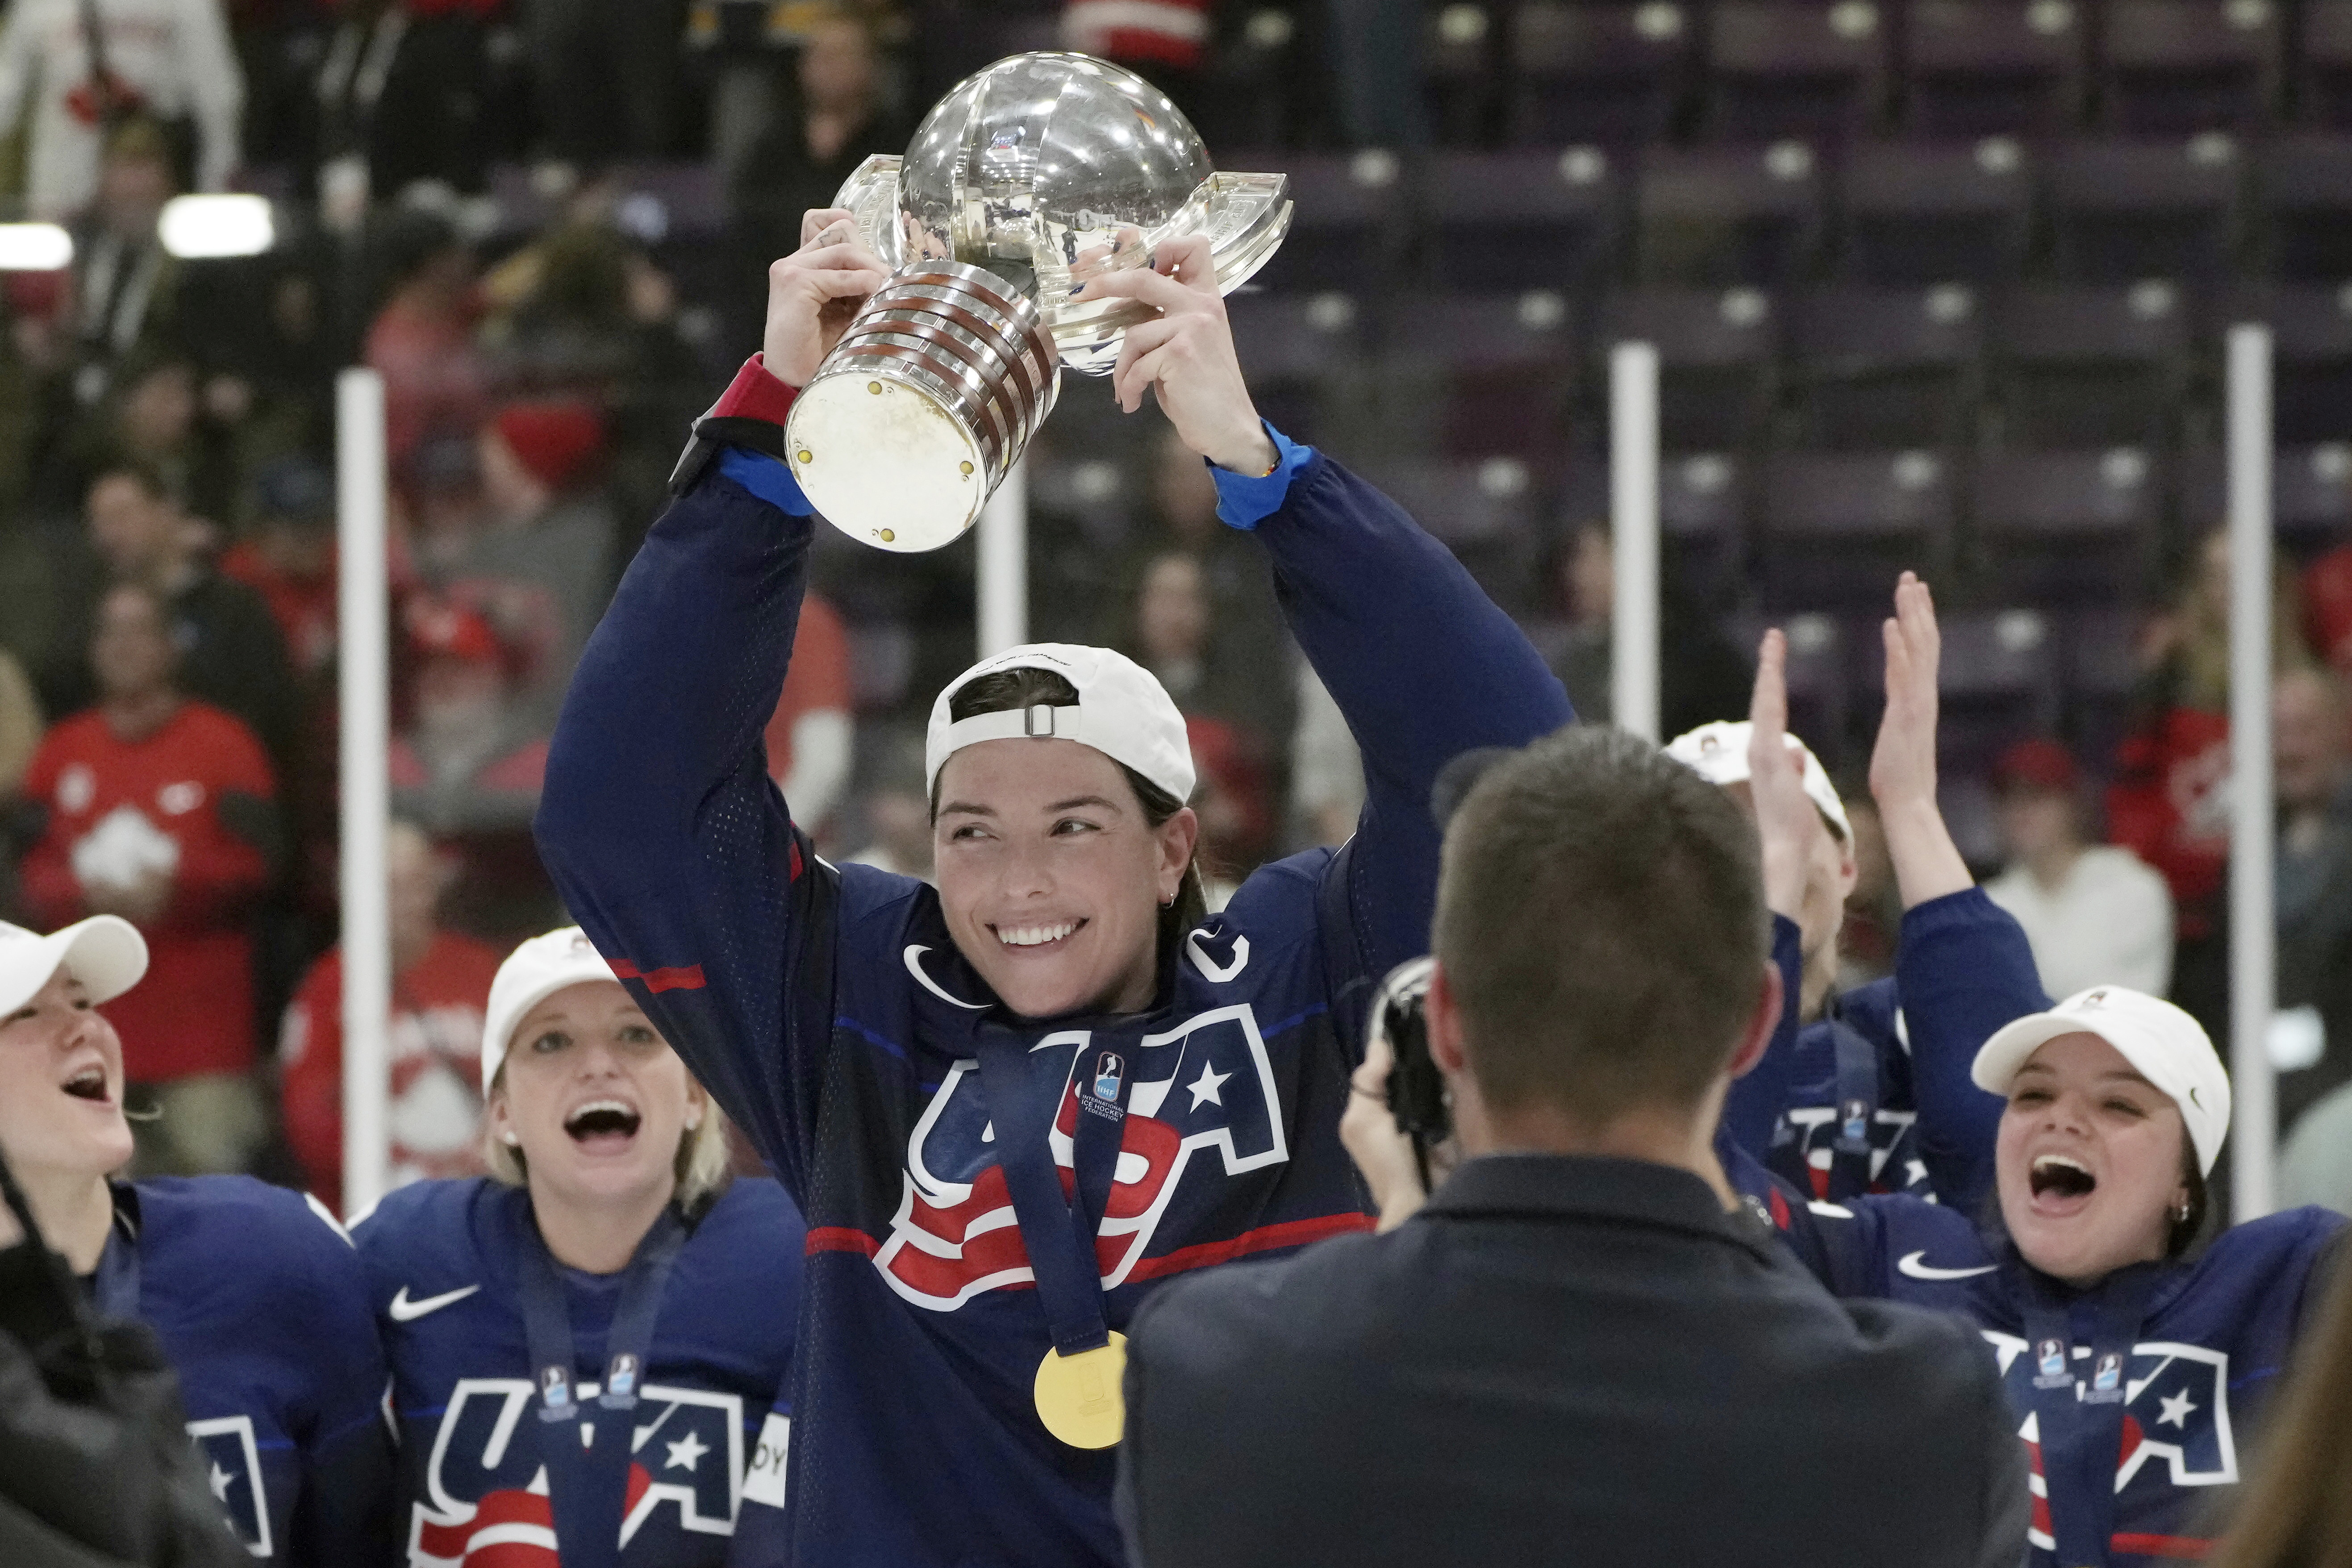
[1927,864]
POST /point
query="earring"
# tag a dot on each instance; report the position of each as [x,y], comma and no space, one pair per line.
[2180,1212]
[511,1139]
[1168,903]
[694,1121]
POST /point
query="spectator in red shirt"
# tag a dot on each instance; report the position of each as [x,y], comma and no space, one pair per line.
[423,341]
[810,733]
[288,559]
[468,758]
[160,809]
[440,982]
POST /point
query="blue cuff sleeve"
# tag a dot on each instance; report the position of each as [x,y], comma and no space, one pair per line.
[1244,500]
[772,482]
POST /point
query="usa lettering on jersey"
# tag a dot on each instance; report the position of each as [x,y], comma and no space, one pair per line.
[1814,1129]
[486,1485]
[2176,1429]
[1206,1085]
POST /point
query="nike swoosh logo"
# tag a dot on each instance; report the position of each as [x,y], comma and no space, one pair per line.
[1917,1270]
[405,1310]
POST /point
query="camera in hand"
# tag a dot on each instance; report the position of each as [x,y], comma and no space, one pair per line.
[1416,1090]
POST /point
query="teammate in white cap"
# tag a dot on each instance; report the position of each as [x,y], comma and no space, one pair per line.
[606,1274]
[254,1294]
[1012,1104]
[1867,1090]
[2139,1349]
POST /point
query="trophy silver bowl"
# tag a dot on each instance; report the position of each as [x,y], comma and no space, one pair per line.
[1031,177]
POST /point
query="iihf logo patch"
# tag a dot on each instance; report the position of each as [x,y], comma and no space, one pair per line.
[1109,1071]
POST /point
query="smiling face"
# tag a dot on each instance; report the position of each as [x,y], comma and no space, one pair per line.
[2089,1161]
[594,1100]
[61,1086]
[1052,878]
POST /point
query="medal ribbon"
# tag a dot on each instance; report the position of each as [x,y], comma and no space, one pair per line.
[1058,1233]
[116,1284]
[2082,1422]
[588,1481]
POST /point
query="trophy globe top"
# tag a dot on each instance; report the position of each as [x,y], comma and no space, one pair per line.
[1047,169]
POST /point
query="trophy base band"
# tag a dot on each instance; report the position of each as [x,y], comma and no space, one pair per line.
[922,408]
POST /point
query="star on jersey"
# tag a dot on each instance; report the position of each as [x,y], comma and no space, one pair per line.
[685,1452]
[2176,1410]
[219,1481]
[1915,1171]
[1206,1086]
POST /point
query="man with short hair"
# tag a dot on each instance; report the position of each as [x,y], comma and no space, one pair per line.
[1580,1350]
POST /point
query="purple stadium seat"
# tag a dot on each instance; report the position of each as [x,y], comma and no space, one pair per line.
[2128,209]
[2191,65]
[1347,217]
[1838,526]
[1728,215]
[2311,492]
[1886,368]
[2323,81]
[1702,513]
[1486,511]
[1786,68]
[1520,220]
[1610,74]
[2000,680]
[2089,367]
[1978,67]
[1245,98]
[2306,185]
[1925,213]
[1502,369]
[2311,355]
[1298,350]
[1716,360]
[2060,524]
[1461,44]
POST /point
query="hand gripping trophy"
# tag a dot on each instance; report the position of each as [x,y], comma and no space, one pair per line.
[1029,178]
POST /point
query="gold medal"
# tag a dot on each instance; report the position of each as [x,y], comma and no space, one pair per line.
[1080,1397]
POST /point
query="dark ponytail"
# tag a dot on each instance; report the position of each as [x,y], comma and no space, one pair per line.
[1010,692]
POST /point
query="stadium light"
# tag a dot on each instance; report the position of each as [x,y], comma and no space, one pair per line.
[34,247]
[198,229]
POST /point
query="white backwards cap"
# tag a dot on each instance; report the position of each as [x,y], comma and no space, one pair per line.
[1122,711]
[1717,753]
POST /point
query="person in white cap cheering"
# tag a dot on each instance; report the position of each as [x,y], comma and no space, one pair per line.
[605,1285]
[253,1292]
[2139,1349]
[1867,1090]
[1012,1105]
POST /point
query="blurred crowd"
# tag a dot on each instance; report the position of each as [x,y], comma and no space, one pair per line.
[456,208]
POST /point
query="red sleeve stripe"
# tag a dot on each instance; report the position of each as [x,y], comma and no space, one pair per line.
[689,978]
[840,1238]
[2187,1548]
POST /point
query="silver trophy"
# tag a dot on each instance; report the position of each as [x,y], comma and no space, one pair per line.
[1032,176]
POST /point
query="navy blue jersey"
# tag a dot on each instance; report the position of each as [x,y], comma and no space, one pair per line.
[262,1310]
[1874,1095]
[830,1012]
[442,1276]
[2215,1337]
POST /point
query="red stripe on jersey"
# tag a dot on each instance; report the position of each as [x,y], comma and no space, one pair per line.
[686,978]
[507,1506]
[2188,1547]
[1779,1210]
[1296,1232]
[793,863]
[839,1238]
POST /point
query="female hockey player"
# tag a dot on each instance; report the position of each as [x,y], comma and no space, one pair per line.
[256,1297]
[586,1344]
[2139,1357]
[1012,1104]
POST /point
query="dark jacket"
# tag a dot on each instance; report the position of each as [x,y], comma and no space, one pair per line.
[1562,1359]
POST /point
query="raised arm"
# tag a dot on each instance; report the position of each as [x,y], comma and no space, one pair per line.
[1422,663]
[1962,968]
[658,822]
